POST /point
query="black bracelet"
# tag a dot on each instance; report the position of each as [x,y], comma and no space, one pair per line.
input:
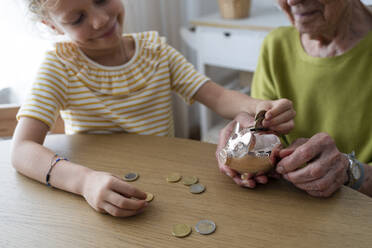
[47,179]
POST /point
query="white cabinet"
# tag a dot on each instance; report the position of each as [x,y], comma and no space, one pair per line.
[233,44]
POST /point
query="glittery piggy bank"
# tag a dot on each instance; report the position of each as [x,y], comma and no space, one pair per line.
[248,150]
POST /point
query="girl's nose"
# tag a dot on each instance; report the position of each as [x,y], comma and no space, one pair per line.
[99,19]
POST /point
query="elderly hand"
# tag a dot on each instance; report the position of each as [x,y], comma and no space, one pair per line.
[279,116]
[326,169]
[245,120]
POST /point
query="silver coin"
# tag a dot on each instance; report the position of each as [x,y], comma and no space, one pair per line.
[130,177]
[205,227]
[197,188]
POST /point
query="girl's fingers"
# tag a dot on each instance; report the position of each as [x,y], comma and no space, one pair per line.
[118,212]
[127,190]
[281,118]
[261,179]
[123,202]
[248,183]
[283,128]
[279,106]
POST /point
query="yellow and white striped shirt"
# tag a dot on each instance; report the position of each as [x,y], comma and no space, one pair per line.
[134,97]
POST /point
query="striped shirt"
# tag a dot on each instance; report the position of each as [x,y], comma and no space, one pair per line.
[134,97]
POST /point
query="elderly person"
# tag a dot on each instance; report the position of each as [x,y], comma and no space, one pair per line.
[324,65]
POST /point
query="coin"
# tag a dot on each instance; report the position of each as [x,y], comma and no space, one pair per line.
[259,119]
[174,177]
[197,188]
[205,227]
[149,197]
[130,177]
[189,180]
[181,230]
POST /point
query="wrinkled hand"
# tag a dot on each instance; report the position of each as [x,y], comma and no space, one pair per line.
[326,169]
[109,194]
[279,116]
[245,121]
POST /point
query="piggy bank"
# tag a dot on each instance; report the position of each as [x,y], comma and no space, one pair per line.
[248,150]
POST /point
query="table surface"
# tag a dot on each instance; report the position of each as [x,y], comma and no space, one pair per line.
[273,215]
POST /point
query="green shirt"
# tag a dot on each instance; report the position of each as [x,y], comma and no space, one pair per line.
[332,95]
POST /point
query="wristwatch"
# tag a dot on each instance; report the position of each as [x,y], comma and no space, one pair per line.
[355,172]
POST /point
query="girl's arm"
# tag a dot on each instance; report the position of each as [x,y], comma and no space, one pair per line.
[228,104]
[103,191]
[31,158]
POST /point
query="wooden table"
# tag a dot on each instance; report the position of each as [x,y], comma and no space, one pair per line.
[275,215]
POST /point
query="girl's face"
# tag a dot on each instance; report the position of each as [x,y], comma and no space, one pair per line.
[314,17]
[91,24]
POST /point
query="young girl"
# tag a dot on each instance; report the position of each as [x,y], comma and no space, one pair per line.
[105,82]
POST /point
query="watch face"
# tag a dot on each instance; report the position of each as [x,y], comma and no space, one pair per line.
[356,172]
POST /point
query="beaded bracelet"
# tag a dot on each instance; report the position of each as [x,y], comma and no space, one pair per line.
[52,166]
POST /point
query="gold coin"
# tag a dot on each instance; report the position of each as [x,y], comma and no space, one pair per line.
[189,180]
[181,230]
[149,197]
[130,177]
[174,177]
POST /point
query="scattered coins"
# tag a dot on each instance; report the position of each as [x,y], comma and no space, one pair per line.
[197,188]
[181,230]
[189,180]
[149,197]
[174,177]
[205,227]
[130,177]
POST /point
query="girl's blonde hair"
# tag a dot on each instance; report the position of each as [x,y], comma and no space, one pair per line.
[37,8]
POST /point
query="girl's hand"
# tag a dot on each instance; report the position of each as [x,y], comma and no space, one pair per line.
[109,194]
[279,116]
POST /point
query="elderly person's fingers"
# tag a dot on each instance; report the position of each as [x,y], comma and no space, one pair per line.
[299,155]
[327,193]
[290,149]
[318,175]
[326,169]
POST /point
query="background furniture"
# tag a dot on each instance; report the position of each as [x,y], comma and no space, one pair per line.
[274,215]
[8,121]
[233,44]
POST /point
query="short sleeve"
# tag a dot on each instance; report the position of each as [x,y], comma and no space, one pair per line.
[185,79]
[48,93]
